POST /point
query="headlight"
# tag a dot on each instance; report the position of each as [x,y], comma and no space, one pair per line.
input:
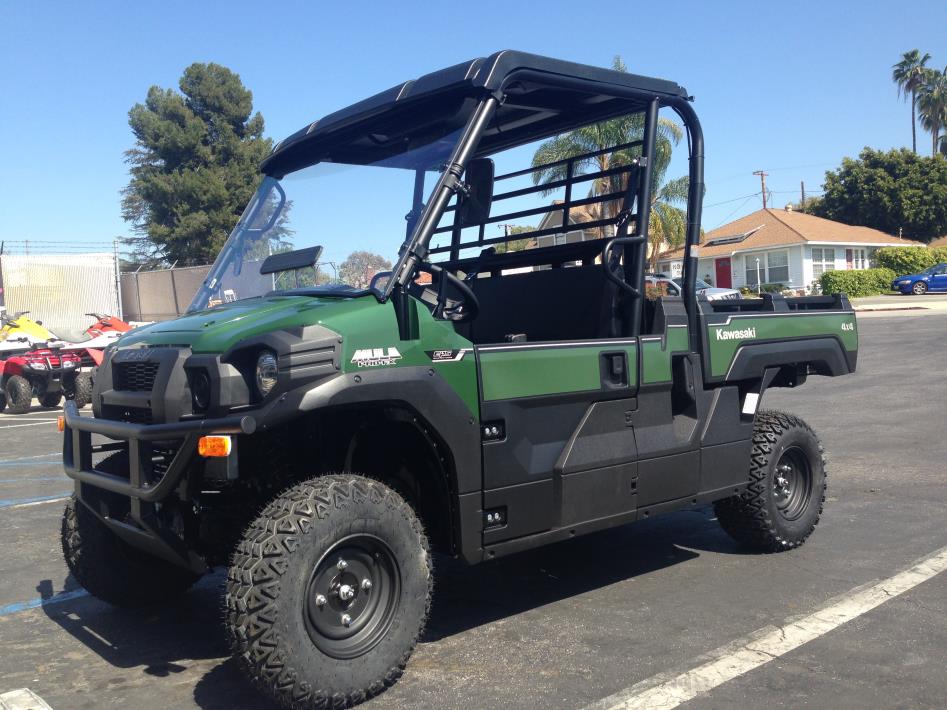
[266,372]
[905,282]
[37,365]
[200,391]
[68,363]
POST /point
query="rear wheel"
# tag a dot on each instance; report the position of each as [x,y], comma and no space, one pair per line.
[919,288]
[783,501]
[19,393]
[51,399]
[328,592]
[3,400]
[108,567]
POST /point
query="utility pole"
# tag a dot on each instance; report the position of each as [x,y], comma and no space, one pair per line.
[802,201]
[762,184]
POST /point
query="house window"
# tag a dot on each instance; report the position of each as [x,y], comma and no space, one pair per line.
[859,259]
[822,260]
[751,269]
[773,269]
[777,267]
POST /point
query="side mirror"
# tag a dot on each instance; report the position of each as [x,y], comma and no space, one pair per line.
[474,207]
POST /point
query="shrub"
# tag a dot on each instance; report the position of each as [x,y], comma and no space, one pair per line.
[861,282]
[909,260]
[764,288]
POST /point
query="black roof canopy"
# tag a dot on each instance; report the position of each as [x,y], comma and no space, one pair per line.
[542,97]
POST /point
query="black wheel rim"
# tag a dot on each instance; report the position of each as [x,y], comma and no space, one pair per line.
[352,596]
[792,483]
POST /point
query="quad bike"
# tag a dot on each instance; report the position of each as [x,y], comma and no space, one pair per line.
[18,333]
[46,373]
[91,343]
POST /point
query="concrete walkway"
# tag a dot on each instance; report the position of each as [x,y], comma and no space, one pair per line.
[933,301]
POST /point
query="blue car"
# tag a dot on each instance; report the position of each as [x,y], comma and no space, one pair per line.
[932,279]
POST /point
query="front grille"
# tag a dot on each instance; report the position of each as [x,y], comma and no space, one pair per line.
[134,376]
[135,415]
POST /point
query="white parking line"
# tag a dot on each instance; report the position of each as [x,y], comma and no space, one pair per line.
[35,422]
[37,502]
[728,662]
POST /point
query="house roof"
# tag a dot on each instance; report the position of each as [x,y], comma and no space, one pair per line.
[939,242]
[769,228]
[578,215]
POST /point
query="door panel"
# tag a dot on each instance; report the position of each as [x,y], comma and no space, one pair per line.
[537,397]
[516,370]
[722,272]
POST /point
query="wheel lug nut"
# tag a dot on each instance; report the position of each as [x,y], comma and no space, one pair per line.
[366,584]
[341,565]
[346,619]
[320,600]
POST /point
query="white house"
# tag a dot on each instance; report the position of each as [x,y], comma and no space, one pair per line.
[781,246]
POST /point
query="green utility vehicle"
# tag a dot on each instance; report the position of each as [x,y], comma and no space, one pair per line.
[323,429]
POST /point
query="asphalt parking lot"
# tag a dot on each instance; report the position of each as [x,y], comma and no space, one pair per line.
[598,620]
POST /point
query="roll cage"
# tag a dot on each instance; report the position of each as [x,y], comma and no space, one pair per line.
[504,101]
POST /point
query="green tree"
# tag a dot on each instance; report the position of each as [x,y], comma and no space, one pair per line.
[194,166]
[516,244]
[908,75]
[667,225]
[360,266]
[895,191]
[932,104]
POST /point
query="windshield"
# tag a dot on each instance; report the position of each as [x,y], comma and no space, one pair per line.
[359,214]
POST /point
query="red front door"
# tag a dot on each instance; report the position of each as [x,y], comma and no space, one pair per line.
[723,273]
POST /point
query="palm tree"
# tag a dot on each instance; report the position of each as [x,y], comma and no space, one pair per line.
[908,75]
[932,104]
[668,222]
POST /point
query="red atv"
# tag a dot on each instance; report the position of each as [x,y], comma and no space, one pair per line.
[46,373]
[91,343]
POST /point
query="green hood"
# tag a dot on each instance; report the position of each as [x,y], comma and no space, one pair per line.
[217,329]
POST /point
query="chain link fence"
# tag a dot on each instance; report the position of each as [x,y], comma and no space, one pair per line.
[60,289]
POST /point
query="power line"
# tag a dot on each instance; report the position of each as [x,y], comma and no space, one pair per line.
[737,209]
[717,204]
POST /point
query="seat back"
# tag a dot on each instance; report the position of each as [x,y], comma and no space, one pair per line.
[566,303]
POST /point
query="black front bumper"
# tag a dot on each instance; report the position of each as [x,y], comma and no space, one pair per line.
[144,486]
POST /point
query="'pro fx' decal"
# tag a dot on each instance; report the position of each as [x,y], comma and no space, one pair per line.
[445,355]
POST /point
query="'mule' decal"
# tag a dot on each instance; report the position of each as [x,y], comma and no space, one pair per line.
[376,357]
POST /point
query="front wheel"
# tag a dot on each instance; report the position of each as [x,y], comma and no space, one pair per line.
[328,592]
[19,394]
[81,392]
[108,567]
[51,400]
[919,288]
[783,501]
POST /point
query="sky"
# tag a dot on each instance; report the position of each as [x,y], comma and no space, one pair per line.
[786,88]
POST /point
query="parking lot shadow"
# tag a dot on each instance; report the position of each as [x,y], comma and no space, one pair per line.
[467,597]
[163,641]
[166,641]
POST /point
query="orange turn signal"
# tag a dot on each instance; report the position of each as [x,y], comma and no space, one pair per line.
[61,423]
[214,446]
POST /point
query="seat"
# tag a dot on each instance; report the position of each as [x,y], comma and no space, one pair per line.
[566,303]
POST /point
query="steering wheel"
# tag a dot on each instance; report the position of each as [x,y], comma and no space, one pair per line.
[466,309]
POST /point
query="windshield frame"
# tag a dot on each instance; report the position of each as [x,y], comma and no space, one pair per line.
[230,259]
